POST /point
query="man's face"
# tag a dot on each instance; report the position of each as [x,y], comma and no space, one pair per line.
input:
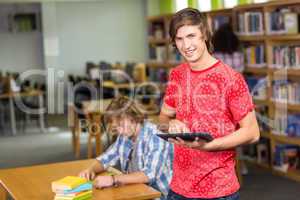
[190,43]
[124,126]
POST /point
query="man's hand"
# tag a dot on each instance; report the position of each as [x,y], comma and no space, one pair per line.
[103,181]
[88,174]
[196,144]
[176,126]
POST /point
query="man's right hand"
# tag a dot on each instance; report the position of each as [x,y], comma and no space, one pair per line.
[176,126]
[88,174]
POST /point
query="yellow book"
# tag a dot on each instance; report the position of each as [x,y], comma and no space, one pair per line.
[68,183]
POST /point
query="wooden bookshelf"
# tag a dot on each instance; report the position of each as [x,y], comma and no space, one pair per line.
[265,134]
[290,37]
[256,70]
[251,38]
[291,174]
[285,72]
[259,164]
[160,64]
[158,41]
[289,106]
[269,41]
[261,102]
[286,139]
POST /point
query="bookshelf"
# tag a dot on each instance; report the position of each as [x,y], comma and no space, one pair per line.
[279,45]
[249,36]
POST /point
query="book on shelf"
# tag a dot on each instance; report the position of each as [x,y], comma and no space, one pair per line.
[157,53]
[250,23]
[159,75]
[220,20]
[281,21]
[287,125]
[286,91]
[286,56]
[263,155]
[286,157]
[255,56]
[174,55]
[259,152]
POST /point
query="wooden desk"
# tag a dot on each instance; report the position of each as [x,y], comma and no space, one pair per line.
[34,183]
[13,95]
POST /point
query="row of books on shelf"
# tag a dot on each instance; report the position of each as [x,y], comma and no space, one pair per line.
[250,23]
[286,156]
[258,152]
[162,53]
[281,21]
[286,91]
[287,125]
[159,74]
[255,56]
[286,56]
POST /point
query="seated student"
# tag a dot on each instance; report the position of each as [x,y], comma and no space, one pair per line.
[143,156]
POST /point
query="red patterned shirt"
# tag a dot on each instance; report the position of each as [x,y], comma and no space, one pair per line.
[212,100]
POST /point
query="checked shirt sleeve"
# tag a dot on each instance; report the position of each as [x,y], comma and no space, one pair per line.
[111,156]
[154,157]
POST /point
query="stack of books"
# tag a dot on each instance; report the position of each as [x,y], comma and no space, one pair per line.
[72,188]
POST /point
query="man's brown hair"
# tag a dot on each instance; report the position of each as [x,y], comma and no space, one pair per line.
[121,107]
[191,16]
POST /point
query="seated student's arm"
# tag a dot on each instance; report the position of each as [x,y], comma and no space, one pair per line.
[122,179]
[109,158]
[154,157]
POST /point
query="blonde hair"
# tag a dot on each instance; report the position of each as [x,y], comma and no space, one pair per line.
[121,107]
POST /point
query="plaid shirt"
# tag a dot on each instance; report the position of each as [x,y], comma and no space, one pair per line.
[154,155]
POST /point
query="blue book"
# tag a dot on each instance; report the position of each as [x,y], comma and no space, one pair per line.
[83,187]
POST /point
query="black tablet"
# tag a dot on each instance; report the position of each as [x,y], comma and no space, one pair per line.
[186,136]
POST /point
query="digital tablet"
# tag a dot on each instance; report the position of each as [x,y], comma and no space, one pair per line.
[186,136]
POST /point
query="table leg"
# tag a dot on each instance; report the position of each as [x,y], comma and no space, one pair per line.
[3,193]
[12,116]
[41,118]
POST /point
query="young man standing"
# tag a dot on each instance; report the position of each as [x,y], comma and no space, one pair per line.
[205,95]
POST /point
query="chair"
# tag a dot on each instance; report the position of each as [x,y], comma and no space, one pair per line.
[94,124]
[75,111]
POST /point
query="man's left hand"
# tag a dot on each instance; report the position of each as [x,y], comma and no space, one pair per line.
[103,181]
[196,144]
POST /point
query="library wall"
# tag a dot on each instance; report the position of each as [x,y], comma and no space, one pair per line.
[93,31]
[19,50]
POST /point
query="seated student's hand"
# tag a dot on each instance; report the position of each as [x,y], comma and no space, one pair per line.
[88,174]
[176,126]
[103,181]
